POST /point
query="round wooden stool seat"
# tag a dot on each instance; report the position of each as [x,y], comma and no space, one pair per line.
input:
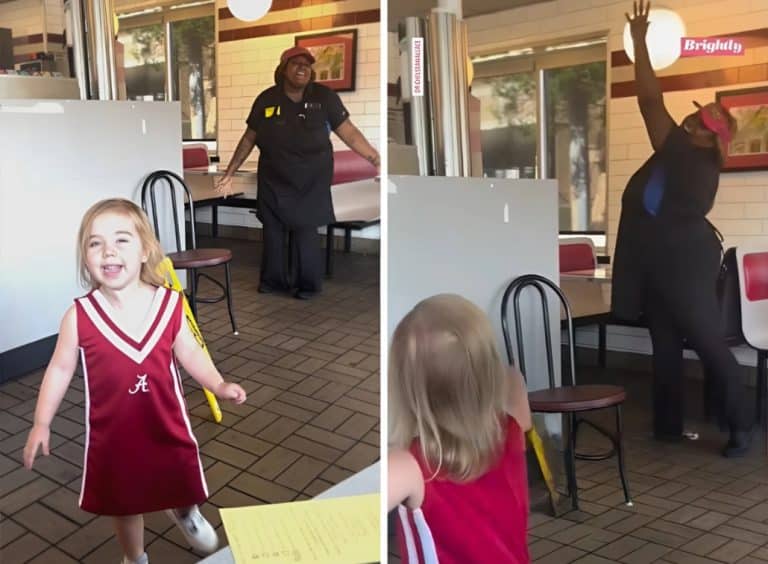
[576,398]
[200,258]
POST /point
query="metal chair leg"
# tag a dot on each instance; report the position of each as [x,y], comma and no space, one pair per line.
[192,277]
[570,461]
[620,455]
[760,386]
[229,298]
[601,330]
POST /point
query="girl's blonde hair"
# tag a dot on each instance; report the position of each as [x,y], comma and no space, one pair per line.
[150,244]
[449,386]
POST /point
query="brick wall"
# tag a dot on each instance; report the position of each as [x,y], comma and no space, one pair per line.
[25,19]
[246,67]
[741,211]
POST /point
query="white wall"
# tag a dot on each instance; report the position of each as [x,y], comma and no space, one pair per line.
[63,157]
[454,235]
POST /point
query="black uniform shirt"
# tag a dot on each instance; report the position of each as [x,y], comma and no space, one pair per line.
[296,156]
[677,231]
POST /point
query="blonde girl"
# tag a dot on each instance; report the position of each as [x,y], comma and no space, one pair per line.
[128,332]
[457,462]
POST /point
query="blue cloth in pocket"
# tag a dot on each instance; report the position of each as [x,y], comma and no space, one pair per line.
[654,190]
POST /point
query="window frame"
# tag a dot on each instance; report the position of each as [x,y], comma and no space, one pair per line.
[537,60]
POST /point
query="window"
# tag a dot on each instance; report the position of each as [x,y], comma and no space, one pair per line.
[543,116]
[508,125]
[144,61]
[575,130]
[169,54]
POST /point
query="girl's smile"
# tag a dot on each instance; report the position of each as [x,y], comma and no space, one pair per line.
[115,253]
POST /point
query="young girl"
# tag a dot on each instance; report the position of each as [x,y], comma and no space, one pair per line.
[458,462]
[128,331]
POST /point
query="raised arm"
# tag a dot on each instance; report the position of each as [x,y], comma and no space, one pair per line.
[657,120]
[356,141]
[244,147]
[200,366]
[58,376]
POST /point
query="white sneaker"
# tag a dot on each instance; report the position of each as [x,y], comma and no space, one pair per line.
[143,559]
[198,532]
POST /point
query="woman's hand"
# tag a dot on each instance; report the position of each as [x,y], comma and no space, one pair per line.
[39,436]
[638,23]
[224,186]
[230,391]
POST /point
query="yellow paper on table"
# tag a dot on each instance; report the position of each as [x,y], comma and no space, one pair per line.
[342,530]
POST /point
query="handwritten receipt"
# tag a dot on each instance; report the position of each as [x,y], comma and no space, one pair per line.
[341,530]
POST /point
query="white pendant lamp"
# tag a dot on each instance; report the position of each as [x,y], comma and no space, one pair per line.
[665,30]
[249,10]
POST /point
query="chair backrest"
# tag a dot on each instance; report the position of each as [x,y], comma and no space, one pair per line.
[348,166]
[541,284]
[728,296]
[752,262]
[169,182]
[195,155]
[577,253]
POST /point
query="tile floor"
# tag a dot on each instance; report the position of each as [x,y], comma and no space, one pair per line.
[311,369]
[691,505]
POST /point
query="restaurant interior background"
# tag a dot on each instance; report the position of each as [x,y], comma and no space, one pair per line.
[551,78]
[199,54]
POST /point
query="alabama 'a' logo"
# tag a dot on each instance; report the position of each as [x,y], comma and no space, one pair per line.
[140,386]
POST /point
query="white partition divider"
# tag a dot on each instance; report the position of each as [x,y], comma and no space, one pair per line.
[471,237]
[57,158]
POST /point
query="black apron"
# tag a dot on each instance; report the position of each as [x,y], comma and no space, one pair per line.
[296,165]
[675,247]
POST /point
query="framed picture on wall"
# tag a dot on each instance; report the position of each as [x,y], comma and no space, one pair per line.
[335,55]
[748,149]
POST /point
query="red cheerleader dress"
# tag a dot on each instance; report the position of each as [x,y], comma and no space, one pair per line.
[140,453]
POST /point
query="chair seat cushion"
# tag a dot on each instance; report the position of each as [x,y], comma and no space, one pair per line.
[576,398]
[199,258]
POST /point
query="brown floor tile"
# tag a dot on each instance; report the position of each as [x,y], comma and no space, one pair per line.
[300,444]
[27,494]
[280,429]
[647,553]
[98,531]
[274,463]
[230,455]
[245,442]
[332,417]
[562,555]
[24,549]
[733,551]
[301,473]
[359,457]
[9,531]
[541,547]
[52,556]
[262,489]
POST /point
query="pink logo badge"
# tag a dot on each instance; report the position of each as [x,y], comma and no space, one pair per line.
[710,47]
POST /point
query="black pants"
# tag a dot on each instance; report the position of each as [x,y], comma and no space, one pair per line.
[308,272]
[682,304]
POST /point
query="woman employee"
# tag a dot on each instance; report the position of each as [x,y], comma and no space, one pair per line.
[668,255]
[291,124]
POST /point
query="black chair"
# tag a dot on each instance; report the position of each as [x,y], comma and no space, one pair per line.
[570,400]
[191,259]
